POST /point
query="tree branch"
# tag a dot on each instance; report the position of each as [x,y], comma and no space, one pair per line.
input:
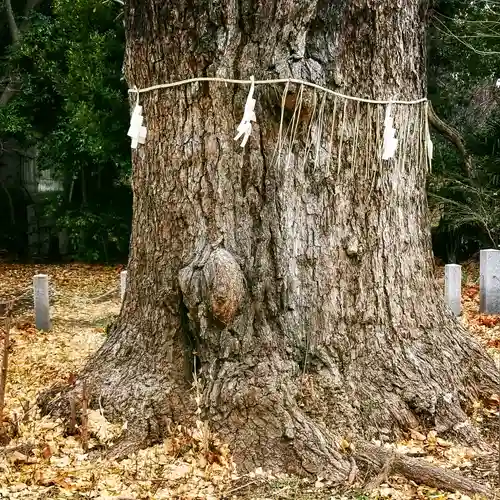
[8,93]
[14,30]
[13,86]
[453,136]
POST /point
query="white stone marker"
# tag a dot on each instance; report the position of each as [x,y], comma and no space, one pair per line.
[41,301]
[123,283]
[489,281]
[453,287]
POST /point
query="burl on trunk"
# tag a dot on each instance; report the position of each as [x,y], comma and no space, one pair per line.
[294,275]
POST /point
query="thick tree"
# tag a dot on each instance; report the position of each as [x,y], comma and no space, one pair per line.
[294,276]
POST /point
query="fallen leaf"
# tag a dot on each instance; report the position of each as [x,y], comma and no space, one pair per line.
[46,453]
[443,443]
[417,435]
[319,484]
[179,471]
[18,457]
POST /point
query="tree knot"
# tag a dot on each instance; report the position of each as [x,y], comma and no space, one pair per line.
[216,284]
[225,286]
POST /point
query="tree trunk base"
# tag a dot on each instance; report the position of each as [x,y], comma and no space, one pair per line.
[310,451]
[274,417]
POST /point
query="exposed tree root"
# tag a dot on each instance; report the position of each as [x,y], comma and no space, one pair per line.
[272,416]
[315,447]
[384,462]
[126,446]
[418,470]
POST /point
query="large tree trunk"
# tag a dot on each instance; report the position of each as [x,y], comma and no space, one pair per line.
[300,285]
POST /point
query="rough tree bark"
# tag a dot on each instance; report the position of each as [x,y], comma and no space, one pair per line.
[307,296]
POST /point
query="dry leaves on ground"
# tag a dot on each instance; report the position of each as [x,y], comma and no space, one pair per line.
[41,462]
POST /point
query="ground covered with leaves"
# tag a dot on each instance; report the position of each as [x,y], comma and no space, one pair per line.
[40,459]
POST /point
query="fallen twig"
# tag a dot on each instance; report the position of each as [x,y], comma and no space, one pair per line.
[232,490]
[106,295]
[72,417]
[84,431]
[5,363]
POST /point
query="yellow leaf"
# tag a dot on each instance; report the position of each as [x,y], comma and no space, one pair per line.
[344,444]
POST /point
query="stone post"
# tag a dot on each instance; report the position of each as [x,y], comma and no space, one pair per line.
[41,301]
[489,281]
[123,284]
[453,287]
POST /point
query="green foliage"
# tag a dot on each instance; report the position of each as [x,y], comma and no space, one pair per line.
[73,106]
[464,51]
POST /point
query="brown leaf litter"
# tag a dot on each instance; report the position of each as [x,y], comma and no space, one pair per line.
[41,462]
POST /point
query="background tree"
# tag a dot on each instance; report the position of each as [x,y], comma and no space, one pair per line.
[71,104]
[303,291]
[464,45]
[57,106]
[14,21]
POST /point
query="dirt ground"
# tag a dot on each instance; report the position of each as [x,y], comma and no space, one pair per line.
[39,460]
